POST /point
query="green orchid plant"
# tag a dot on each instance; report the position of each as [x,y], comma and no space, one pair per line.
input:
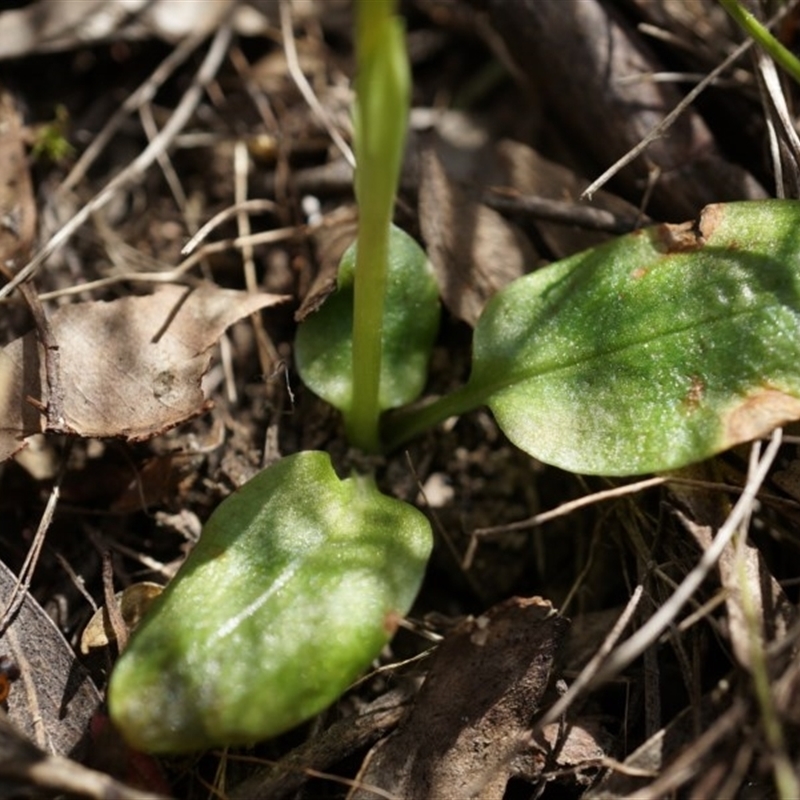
[653,351]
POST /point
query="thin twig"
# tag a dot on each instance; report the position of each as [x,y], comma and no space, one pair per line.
[777,110]
[782,770]
[670,77]
[113,609]
[511,201]
[681,767]
[144,94]
[178,274]
[31,559]
[595,672]
[756,31]
[588,673]
[173,181]
[633,647]
[695,47]
[665,123]
[621,491]
[263,237]
[267,354]
[53,405]
[77,580]
[293,65]
[572,505]
[134,171]
[253,206]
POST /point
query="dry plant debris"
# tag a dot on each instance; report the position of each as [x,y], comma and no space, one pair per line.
[130,400]
[54,698]
[130,367]
[471,718]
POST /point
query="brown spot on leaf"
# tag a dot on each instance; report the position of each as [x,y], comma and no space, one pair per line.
[686,237]
[639,272]
[391,622]
[758,414]
[681,238]
[710,219]
[694,396]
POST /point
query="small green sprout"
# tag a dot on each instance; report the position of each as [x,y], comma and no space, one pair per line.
[50,140]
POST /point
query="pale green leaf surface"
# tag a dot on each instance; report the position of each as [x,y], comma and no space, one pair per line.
[324,343]
[293,588]
[653,351]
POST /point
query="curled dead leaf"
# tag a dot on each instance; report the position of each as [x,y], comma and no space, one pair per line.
[686,237]
[473,249]
[133,602]
[128,368]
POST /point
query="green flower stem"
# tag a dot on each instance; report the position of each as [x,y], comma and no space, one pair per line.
[752,27]
[362,419]
[380,121]
[407,423]
[784,776]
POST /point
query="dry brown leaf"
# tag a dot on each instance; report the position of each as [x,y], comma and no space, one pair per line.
[747,570]
[581,56]
[578,748]
[54,698]
[18,212]
[17,207]
[471,718]
[769,604]
[133,601]
[523,169]
[331,238]
[130,368]
[158,480]
[473,249]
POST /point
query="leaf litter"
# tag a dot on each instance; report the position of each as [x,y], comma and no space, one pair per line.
[678,731]
[130,367]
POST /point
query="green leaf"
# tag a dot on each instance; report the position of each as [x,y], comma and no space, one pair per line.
[653,351]
[295,586]
[323,347]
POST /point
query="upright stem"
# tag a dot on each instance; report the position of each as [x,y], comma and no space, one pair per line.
[753,28]
[380,121]
[369,291]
